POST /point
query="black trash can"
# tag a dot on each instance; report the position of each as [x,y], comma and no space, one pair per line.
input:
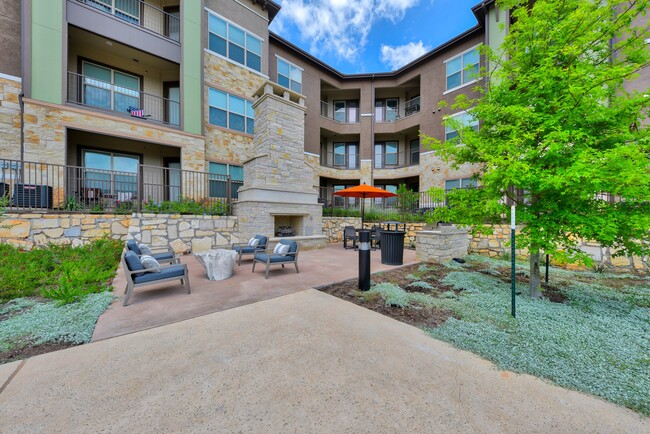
[392,247]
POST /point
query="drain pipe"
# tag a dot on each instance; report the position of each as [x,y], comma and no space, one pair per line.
[21,103]
[372,131]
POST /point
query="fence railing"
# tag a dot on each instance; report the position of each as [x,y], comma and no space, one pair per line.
[141,13]
[385,160]
[44,186]
[415,204]
[91,92]
[344,115]
[392,114]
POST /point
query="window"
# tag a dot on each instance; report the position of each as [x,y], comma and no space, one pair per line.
[462,69]
[173,22]
[346,112]
[109,89]
[386,154]
[236,44]
[452,184]
[346,155]
[111,173]
[343,201]
[230,111]
[386,109]
[218,184]
[388,201]
[465,120]
[415,151]
[289,75]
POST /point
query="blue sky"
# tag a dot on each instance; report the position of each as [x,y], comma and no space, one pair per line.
[356,36]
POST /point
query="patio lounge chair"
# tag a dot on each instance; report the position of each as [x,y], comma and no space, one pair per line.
[137,275]
[375,237]
[165,255]
[268,258]
[349,234]
[248,249]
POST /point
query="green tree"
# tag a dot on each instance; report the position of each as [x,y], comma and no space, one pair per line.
[558,124]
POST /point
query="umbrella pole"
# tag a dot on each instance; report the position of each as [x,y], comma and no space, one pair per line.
[363,209]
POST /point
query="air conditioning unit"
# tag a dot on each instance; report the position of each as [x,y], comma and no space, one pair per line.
[32,196]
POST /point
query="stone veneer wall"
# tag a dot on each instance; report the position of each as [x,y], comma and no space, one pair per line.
[498,244]
[333,229]
[196,231]
[9,118]
[32,230]
[158,230]
[442,245]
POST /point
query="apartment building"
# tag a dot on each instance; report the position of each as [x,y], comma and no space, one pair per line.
[112,91]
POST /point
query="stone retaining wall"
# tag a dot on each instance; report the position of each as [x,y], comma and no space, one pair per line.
[442,245]
[333,229]
[31,230]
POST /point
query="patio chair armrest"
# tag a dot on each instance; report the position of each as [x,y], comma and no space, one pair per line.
[238,245]
[163,250]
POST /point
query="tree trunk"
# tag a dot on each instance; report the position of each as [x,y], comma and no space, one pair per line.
[534,273]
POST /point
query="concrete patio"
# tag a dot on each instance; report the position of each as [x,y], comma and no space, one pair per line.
[157,305]
[303,362]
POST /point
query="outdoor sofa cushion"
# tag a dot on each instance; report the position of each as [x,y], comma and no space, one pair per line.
[171,271]
[274,257]
[245,249]
[133,262]
[150,263]
[133,246]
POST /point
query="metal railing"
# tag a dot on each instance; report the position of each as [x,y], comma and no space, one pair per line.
[340,161]
[401,111]
[91,92]
[142,14]
[395,160]
[412,203]
[44,186]
[347,115]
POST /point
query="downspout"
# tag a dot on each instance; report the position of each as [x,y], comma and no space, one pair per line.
[372,130]
[21,103]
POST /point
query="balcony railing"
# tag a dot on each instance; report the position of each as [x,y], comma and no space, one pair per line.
[401,111]
[91,92]
[142,14]
[340,161]
[346,115]
[396,160]
[42,186]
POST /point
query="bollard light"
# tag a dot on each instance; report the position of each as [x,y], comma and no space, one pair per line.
[364,260]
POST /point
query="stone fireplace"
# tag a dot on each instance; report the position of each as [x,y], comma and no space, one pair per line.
[278,188]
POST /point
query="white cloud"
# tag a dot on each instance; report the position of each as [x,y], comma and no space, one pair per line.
[339,26]
[396,57]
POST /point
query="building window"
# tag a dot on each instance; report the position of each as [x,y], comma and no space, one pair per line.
[346,155]
[218,177]
[109,89]
[452,184]
[386,154]
[415,151]
[230,111]
[386,109]
[289,75]
[346,112]
[462,69]
[236,44]
[388,201]
[110,174]
[465,119]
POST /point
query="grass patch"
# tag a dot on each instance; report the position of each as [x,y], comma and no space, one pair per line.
[61,273]
[595,342]
[32,323]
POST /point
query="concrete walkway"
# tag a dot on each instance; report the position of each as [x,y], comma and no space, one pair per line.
[156,305]
[304,362]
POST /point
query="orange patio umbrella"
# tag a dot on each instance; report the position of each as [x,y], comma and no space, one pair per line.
[364,191]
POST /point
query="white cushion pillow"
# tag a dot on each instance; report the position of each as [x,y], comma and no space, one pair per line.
[144,249]
[253,242]
[150,263]
[281,249]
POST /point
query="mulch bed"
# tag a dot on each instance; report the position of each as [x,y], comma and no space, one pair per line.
[31,350]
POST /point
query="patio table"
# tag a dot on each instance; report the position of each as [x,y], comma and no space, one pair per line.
[218,263]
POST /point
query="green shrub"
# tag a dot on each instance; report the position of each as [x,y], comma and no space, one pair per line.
[394,296]
[186,206]
[422,285]
[62,273]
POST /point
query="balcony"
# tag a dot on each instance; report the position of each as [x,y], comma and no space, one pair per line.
[124,99]
[343,112]
[391,113]
[343,161]
[134,23]
[141,14]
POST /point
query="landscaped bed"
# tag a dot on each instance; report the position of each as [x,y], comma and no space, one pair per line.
[590,332]
[50,298]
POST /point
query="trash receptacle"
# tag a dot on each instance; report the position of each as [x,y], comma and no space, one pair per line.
[392,247]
